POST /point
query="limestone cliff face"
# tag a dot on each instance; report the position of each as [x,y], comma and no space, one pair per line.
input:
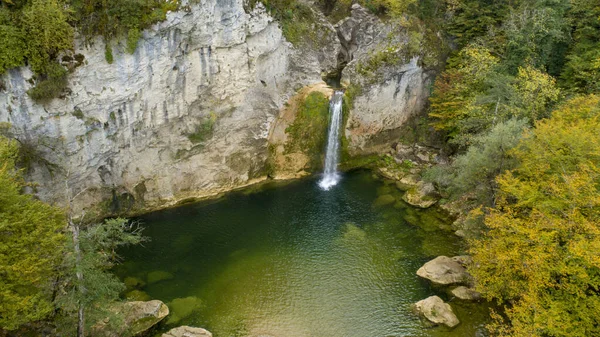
[390,92]
[187,115]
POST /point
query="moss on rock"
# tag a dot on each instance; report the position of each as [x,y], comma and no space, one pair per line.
[308,132]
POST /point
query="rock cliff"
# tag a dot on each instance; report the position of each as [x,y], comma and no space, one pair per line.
[189,114]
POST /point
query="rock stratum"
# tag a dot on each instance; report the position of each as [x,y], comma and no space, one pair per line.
[190,113]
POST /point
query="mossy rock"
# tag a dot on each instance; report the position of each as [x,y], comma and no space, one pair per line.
[134,283]
[181,308]
[384,200]
[382,190]
[137,295]
[412,219]
[158,275]
[401,205]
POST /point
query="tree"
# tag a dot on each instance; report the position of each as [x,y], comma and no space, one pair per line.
[31,247]
[89,288]
[12,42]
[45,23]
[582,70]
[539,255]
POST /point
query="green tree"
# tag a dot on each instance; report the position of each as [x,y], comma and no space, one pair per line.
[89,288]
[582,70]
[31,247]
[533,35]
[12,42]
[474,172]
[539,254]
[45,23]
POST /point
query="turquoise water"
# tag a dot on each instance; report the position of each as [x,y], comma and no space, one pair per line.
[293,260]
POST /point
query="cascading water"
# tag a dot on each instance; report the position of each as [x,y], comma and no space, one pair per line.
[330,175]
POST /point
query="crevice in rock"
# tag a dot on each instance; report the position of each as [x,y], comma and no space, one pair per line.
[346,31]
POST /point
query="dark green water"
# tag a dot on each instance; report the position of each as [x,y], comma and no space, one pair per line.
[296,261]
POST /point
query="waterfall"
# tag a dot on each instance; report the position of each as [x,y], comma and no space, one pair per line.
[330,174]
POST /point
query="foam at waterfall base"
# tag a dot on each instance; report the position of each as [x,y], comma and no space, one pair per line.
[328,181]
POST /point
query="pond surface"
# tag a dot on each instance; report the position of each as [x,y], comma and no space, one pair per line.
[296,261]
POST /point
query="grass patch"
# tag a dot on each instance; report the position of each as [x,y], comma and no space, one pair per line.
[204,130]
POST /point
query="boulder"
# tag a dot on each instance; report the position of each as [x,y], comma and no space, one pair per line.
[465,293]
[187,331]
[444,271]
[141,316]
[138,317]
[436,311]
[423,195]
[407,182]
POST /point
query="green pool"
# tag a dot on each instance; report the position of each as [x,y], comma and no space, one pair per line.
[291,260]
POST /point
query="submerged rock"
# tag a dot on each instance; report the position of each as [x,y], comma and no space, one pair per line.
[466,294]
[187,331]
[444,271]
[436,311]
[137,295]
[423,195]
[182,308]
[386,199]
[134,283]
[158,275]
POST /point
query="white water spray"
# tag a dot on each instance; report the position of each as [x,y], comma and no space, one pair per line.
[330,175]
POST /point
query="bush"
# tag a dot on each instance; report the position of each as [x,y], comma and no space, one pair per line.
[51,85]
[133,36]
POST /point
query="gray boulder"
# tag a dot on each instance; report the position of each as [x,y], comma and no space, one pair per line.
[187,331]
[141,316]
[138,317]
[436,311]
[465,293]
[445,271]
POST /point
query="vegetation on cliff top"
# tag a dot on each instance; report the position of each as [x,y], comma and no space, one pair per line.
[37,32]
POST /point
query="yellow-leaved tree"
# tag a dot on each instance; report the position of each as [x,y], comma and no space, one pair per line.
[31,247]
[540,255]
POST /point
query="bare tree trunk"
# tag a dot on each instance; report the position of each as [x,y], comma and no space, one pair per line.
[78,267]
[79,273]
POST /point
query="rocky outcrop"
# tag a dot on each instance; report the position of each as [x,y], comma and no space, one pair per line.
[422,195]
[189,114]
[187,331]
[387,93]
[436,311]
[445,271]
